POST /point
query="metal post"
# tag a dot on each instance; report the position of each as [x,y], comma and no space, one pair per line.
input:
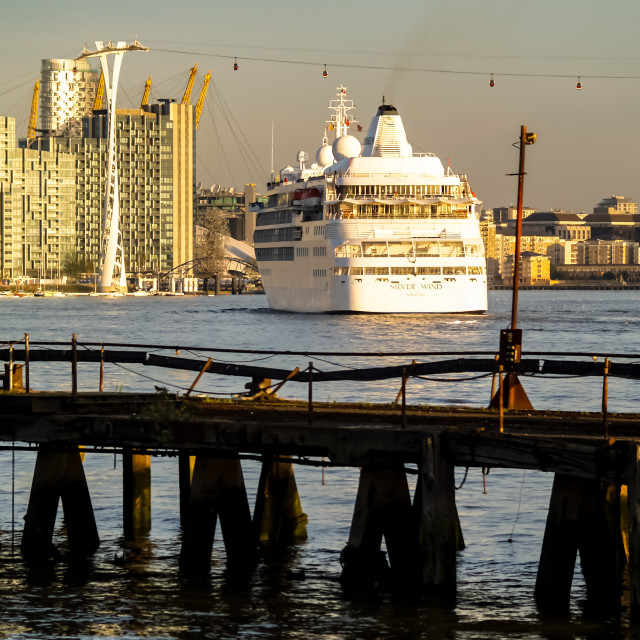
[605,397]
[10,372]
[404,397]
[310,392]
[26,360]
[516,257]
[74,364]
[101,368]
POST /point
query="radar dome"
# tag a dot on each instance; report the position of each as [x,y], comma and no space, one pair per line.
[346,147]
[324,156]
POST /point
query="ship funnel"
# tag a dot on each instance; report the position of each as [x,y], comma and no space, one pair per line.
[386,136]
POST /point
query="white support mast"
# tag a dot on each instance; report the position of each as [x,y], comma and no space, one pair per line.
[111,244]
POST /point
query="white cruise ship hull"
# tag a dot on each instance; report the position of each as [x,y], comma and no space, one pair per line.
[352,294]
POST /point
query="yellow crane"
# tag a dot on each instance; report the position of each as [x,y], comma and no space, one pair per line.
[187,92]
[145,95]
[33,118]
[97,103]
[202,96]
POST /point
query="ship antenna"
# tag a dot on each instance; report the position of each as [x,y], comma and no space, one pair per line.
[383,102]
[272,172]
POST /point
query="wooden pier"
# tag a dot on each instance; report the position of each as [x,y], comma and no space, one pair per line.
[594,506]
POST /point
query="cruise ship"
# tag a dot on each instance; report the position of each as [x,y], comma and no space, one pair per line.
[371,227]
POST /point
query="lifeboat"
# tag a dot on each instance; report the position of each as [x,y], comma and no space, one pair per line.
[298,196]
[311,198]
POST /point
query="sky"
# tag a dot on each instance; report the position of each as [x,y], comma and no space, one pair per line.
[431,59]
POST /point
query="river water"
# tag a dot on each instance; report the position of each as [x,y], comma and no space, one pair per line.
[133,590]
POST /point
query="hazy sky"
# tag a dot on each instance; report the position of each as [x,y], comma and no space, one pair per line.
[431,59]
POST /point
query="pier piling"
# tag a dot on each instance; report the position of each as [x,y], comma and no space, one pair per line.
[218,490]
[136,494]
[278,517]
[382,508]
[59,475]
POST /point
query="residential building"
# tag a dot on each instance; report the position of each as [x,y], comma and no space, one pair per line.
[156,182]
[37,207]
[67,93]
[534,269]
[616,204]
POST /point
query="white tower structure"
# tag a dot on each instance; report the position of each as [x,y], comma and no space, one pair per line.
[110,242]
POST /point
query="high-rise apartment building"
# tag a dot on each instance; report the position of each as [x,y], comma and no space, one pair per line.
[156,184]
[37,207]
[67,93]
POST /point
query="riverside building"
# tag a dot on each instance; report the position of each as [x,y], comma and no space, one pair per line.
[37,208]
[67,93]
[156,162]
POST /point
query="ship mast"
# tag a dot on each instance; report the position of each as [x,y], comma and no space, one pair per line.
[340,121]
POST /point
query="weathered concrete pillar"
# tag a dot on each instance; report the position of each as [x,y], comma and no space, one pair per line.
[136,494]
[278,517]
[218,489]
[383,508]
[439,525]
[59,475]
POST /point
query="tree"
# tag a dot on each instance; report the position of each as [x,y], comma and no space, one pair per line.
[73,266]
[211,229]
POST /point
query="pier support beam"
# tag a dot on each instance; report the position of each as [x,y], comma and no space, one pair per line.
[634,531]
[439,527]
[583,516]
[136,494]
[185,475]
[218,490]
[59,476]
[278,517]
[383,508]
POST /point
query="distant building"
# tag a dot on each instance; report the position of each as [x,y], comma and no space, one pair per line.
[67,93]
[616,204]
[607,252]
[37,207]
[234,206]
[504,214]
[156,162]
[623,226]
[534,269]
[560,224]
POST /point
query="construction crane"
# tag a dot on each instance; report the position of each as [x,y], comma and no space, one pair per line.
[97,103]
[145,95]
[202,96]
[187,92]
[31,130]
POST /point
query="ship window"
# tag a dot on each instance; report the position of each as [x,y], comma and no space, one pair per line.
[475,270]
[374,249]
[355,271]
[400,249]
[426,249]
[402,271]
[376,271]
[340,271]
[348,251]
[474,250]
[428,271]
[451,249]
[454,271]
